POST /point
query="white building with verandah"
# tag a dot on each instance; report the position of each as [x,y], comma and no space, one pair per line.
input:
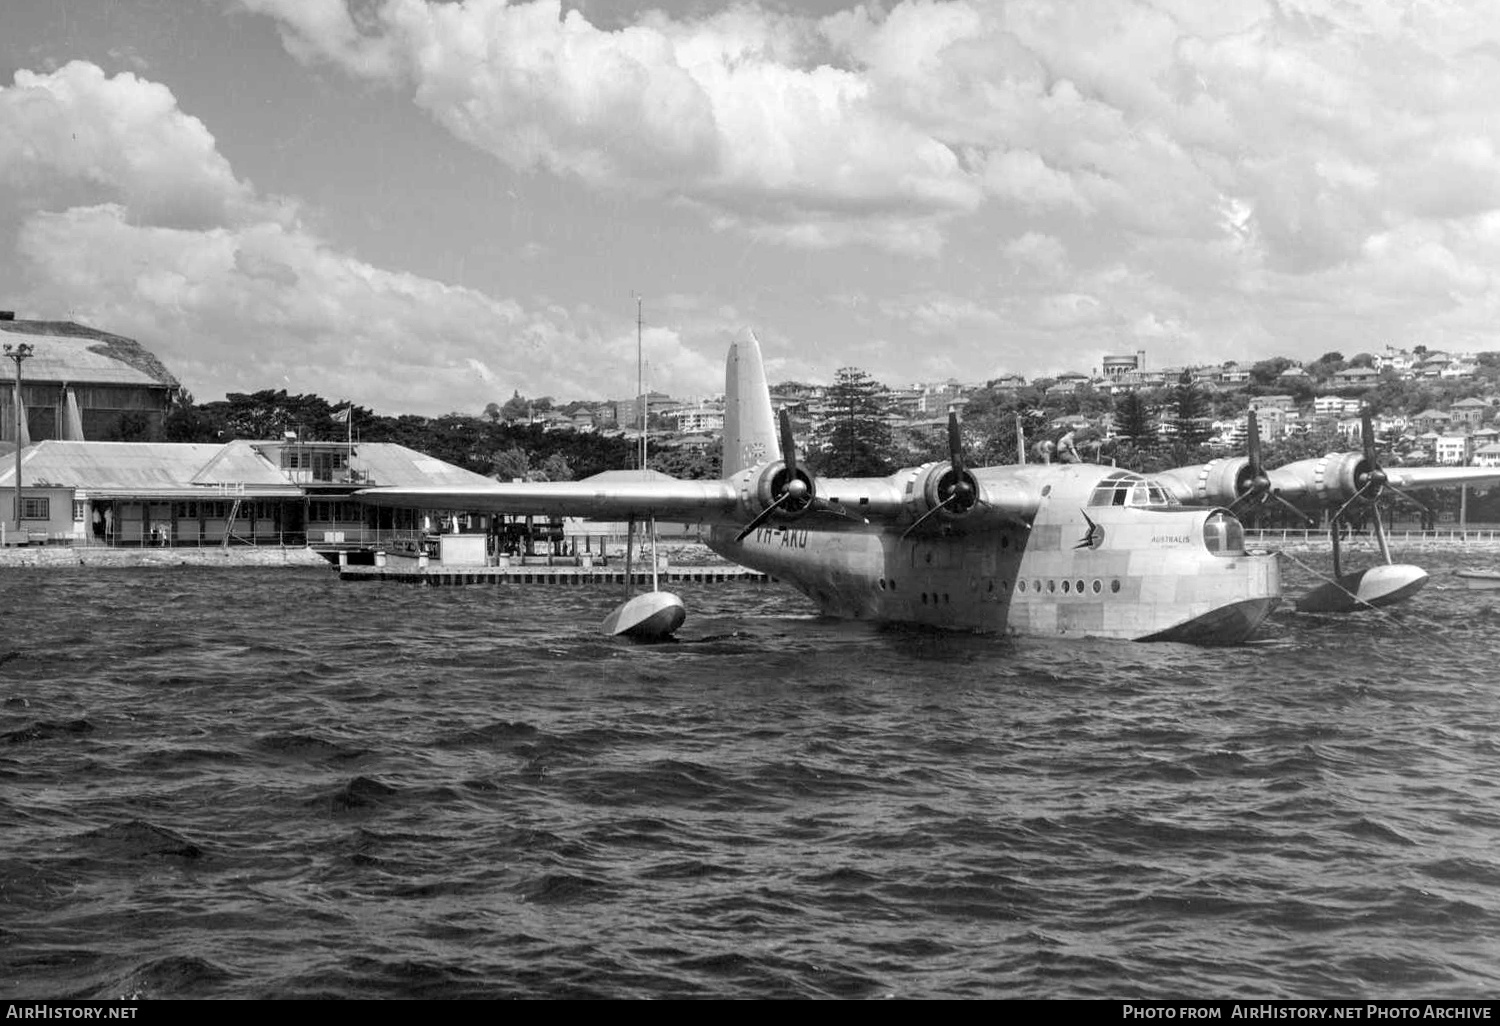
[284,492]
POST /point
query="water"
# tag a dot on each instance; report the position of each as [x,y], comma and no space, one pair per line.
[267,783]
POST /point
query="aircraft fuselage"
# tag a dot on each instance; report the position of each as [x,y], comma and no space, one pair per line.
[1100,570]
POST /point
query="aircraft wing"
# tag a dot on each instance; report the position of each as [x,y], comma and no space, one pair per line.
[1338,476]
[678,501]
[1440,477]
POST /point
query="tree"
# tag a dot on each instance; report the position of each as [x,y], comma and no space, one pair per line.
[517,407]
[492,413]
[1266,372]
[1190,412]
[511,465]
[555,468]
[689,464]
[1134,420]
[188,422]
[856,441]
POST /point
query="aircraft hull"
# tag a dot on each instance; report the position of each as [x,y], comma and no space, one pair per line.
[1143,581]
[1381,585]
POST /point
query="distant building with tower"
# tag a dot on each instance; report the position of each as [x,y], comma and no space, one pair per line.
[1118,366]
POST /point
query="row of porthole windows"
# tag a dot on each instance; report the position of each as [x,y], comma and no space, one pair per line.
[1052,586]
[1068,587]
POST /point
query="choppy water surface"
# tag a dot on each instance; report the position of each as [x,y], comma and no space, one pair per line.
[268,783]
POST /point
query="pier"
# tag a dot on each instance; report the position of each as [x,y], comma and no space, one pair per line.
[436,575]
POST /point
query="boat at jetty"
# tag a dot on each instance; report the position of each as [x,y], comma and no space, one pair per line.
[1479,579]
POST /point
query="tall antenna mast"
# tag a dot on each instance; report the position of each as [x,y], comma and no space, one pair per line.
[640,387]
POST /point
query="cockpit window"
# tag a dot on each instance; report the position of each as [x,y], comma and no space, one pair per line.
[1223,534]
[1123,488]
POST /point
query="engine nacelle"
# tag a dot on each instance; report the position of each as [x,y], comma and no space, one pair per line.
[954,494]
[1334,478]
[1215,483]
[767,485]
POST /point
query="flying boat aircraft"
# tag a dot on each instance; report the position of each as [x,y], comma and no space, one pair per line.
[1073,549]
[1344,483]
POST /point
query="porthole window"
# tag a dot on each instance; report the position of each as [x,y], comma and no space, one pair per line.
[1051,585]
[1021,585]
[1114,585]
[1098,586]
[1079,586]
[1065,587]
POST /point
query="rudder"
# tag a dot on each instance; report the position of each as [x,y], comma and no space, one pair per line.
[749,425]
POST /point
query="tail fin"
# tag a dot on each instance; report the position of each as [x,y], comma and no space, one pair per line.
[749,426]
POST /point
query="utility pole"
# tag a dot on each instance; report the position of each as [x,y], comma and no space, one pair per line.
[18,353]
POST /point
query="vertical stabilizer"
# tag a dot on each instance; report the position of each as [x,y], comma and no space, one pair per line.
[749,426]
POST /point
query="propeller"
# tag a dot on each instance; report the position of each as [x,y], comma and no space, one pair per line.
[794,493]
[1372,479]
[1258,485]
[957,490]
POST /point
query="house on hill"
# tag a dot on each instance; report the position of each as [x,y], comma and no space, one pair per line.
[1470,414]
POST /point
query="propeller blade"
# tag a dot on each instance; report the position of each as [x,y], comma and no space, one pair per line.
[1300,514]
[762,517]
[1357,496]
[955,445]
[788,445]
[926,516]
[1253,446]
[1367,433]
[1403,495]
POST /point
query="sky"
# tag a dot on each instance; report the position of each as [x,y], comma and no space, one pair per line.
[424,207]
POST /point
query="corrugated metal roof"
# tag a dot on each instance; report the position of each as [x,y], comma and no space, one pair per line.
[392,465]
[136,468]
[183,468]
[239,462]
[77,360]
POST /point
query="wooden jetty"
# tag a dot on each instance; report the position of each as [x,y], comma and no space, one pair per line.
[436,575]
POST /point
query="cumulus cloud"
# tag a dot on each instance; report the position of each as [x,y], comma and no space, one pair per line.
[745,113]
[258,302]
[881,129]
[129,216]
[78,135]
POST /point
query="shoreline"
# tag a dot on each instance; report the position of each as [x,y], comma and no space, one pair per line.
[99,556]
[679,556]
